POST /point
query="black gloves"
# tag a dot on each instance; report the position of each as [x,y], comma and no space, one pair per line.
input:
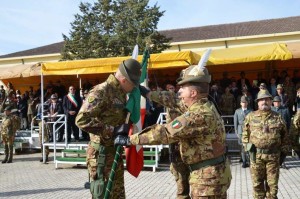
[122,140]
[123,130]
[121,135]
[144,91]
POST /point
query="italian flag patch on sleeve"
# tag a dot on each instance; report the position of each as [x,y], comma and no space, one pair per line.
[176,124]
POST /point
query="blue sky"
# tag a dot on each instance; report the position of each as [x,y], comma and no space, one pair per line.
[34,23]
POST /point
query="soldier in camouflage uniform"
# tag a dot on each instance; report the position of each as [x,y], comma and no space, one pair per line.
[295,133]
[103,110]
[46,131]
[179,169]
[8,134]
[227,103]
[265,136]
[201,135]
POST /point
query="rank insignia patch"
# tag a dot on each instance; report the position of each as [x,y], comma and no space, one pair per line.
[91,99]
[176,124]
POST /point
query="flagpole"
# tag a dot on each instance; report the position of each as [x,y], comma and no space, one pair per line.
[114,166]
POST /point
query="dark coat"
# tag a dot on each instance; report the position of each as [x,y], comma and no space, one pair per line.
[285,114]
[69,106]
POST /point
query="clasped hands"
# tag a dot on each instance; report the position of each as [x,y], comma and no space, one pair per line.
[121,137]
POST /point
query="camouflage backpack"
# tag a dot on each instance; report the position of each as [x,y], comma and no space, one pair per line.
[16,121]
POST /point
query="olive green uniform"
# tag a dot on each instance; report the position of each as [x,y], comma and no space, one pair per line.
[227,104]
[295,132]
[46,136]
[267,131]
[201,136]
[179,169]
[103,110]
[8,137]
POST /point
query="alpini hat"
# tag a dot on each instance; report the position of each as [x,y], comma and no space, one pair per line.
[263,94]
[197,73]
[193,74]
[131,69]
[244,99]
[276,99]
[279,86]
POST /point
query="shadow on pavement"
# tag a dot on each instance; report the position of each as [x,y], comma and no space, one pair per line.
[36,191]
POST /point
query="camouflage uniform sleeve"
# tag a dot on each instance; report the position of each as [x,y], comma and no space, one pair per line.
[182,127]
[285,141]
[167,99]
[246,129]
[89,116]
[295,132]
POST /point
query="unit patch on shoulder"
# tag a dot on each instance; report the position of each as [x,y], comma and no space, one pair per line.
[91,99]
[176,124]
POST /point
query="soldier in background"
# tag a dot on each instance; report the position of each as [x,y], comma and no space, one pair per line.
[282,95]
[2,93]
[239,117]
[9,126]
[284,112]
[103,110]
[265,136]
[201,135]
[179,169]
[295,133]
[227,102]
[38,118]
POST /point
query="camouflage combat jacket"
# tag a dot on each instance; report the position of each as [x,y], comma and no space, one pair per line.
[169,100]
[103,110]
[295,131]
[266,130]
[7,126]
[200,132]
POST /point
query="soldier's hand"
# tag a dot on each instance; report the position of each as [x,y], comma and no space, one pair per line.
[122,140]
[121,130]
[144,91]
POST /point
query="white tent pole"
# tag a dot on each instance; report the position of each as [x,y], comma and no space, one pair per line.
[42,114]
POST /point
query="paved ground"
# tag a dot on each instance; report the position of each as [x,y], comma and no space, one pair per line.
[28,178]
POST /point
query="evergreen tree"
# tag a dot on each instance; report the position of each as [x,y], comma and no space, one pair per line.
[110,28]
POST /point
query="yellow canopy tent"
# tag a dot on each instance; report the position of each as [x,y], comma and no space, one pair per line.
[248,58]
[110,65]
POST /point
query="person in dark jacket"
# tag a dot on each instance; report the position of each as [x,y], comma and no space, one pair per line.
[71,106]
[284,112]
[22,110]
[55,108]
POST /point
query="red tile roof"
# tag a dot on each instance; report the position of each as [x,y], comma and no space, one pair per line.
[270,26]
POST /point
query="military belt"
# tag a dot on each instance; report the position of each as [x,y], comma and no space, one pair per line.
[207,163]
[267,151]
[108,149]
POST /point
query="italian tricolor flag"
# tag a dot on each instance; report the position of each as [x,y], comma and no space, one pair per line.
[136,105]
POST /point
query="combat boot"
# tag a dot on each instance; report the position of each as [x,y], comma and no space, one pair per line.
[10,154]
[6,154]
[46,160]
[5,159]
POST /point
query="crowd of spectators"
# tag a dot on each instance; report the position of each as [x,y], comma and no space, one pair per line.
[226,93]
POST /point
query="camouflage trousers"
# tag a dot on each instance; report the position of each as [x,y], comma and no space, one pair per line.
[181,173]
[265,175]
[118,190]
[211,182]
[8,142]
[46,136]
